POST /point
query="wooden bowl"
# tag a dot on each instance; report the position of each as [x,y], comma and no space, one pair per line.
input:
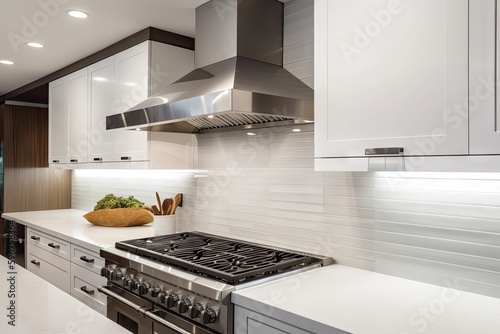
[120,217]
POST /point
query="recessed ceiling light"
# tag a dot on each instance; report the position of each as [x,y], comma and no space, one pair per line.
[210,116]
[138,129]
[78,14]
[251,134]
[6,62]
[296,130]
[100,79]
[35,45]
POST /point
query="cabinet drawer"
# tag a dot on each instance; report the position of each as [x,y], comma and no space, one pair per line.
[50,267]
[84,284]
[86,259]
[49,243]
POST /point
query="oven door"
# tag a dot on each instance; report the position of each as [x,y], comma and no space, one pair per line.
[128,317]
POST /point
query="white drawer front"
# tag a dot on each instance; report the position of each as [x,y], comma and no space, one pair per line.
[86,258]
[49,243]
[84,285]
[50,267]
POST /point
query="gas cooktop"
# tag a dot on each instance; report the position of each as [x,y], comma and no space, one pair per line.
[227,260]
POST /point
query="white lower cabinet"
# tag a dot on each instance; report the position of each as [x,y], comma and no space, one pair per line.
[86,278]
[250,322]
[70,267]
[84,284]
[50,267]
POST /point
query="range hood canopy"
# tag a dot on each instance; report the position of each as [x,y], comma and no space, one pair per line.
[239,81]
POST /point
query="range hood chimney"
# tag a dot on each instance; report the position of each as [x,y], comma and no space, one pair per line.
[238,82]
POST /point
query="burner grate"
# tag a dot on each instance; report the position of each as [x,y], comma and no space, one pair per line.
[227,260]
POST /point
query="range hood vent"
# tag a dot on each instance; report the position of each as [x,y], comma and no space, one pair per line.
[239,81]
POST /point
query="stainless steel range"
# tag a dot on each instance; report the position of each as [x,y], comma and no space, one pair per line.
[182,283]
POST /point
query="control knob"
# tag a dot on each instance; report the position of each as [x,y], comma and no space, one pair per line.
[154,291]
[209,316]
[196,310]
[163,296]
[116,274]
[106,271]
[172,299]
[184,305]
[126,280]
[144,288]
[133,284]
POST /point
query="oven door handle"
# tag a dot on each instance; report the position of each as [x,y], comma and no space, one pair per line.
[141,310]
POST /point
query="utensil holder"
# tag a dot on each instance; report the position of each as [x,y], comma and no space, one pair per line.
[165,224]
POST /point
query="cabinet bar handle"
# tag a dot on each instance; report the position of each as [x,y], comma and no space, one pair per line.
[36,263]
[84,258]
[73,160]
[384,151]
[126,158]
[88,292]
[35,238]
[55,161]
[98,159]
[54,246]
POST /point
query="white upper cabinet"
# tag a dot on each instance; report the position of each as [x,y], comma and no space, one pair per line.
[68,111]
[108,87]
[77,116]
[132,87]
[101,102]
[391,79]
[58,121]
[484,62]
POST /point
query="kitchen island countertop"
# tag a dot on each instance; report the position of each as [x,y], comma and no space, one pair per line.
[340,299]
[69,225]
[35,306]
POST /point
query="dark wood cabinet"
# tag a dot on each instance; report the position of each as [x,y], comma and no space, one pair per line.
[27,183]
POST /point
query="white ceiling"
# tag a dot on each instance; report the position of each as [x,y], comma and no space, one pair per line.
[67,39]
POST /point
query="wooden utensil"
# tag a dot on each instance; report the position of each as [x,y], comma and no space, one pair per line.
[177,202]
[156,211]
[159,204]
[165,207]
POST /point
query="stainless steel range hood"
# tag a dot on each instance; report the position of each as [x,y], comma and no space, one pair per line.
[239,81]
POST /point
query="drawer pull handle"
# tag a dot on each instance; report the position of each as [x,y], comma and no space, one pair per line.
[126,158]
[88,292]
[84,258]
[73,160]
[54,246]
[98,159]
[55,161]
[385,151]
[36,263]
[35,238]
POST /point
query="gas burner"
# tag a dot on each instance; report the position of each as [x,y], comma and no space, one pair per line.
[227,260]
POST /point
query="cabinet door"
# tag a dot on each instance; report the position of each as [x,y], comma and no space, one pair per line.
[132,81]
[484,94]
[58,121]
[101,101]
[391,74]
[78,116]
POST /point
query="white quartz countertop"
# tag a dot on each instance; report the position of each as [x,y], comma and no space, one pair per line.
[35,306]
[338,299]
[70,225]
